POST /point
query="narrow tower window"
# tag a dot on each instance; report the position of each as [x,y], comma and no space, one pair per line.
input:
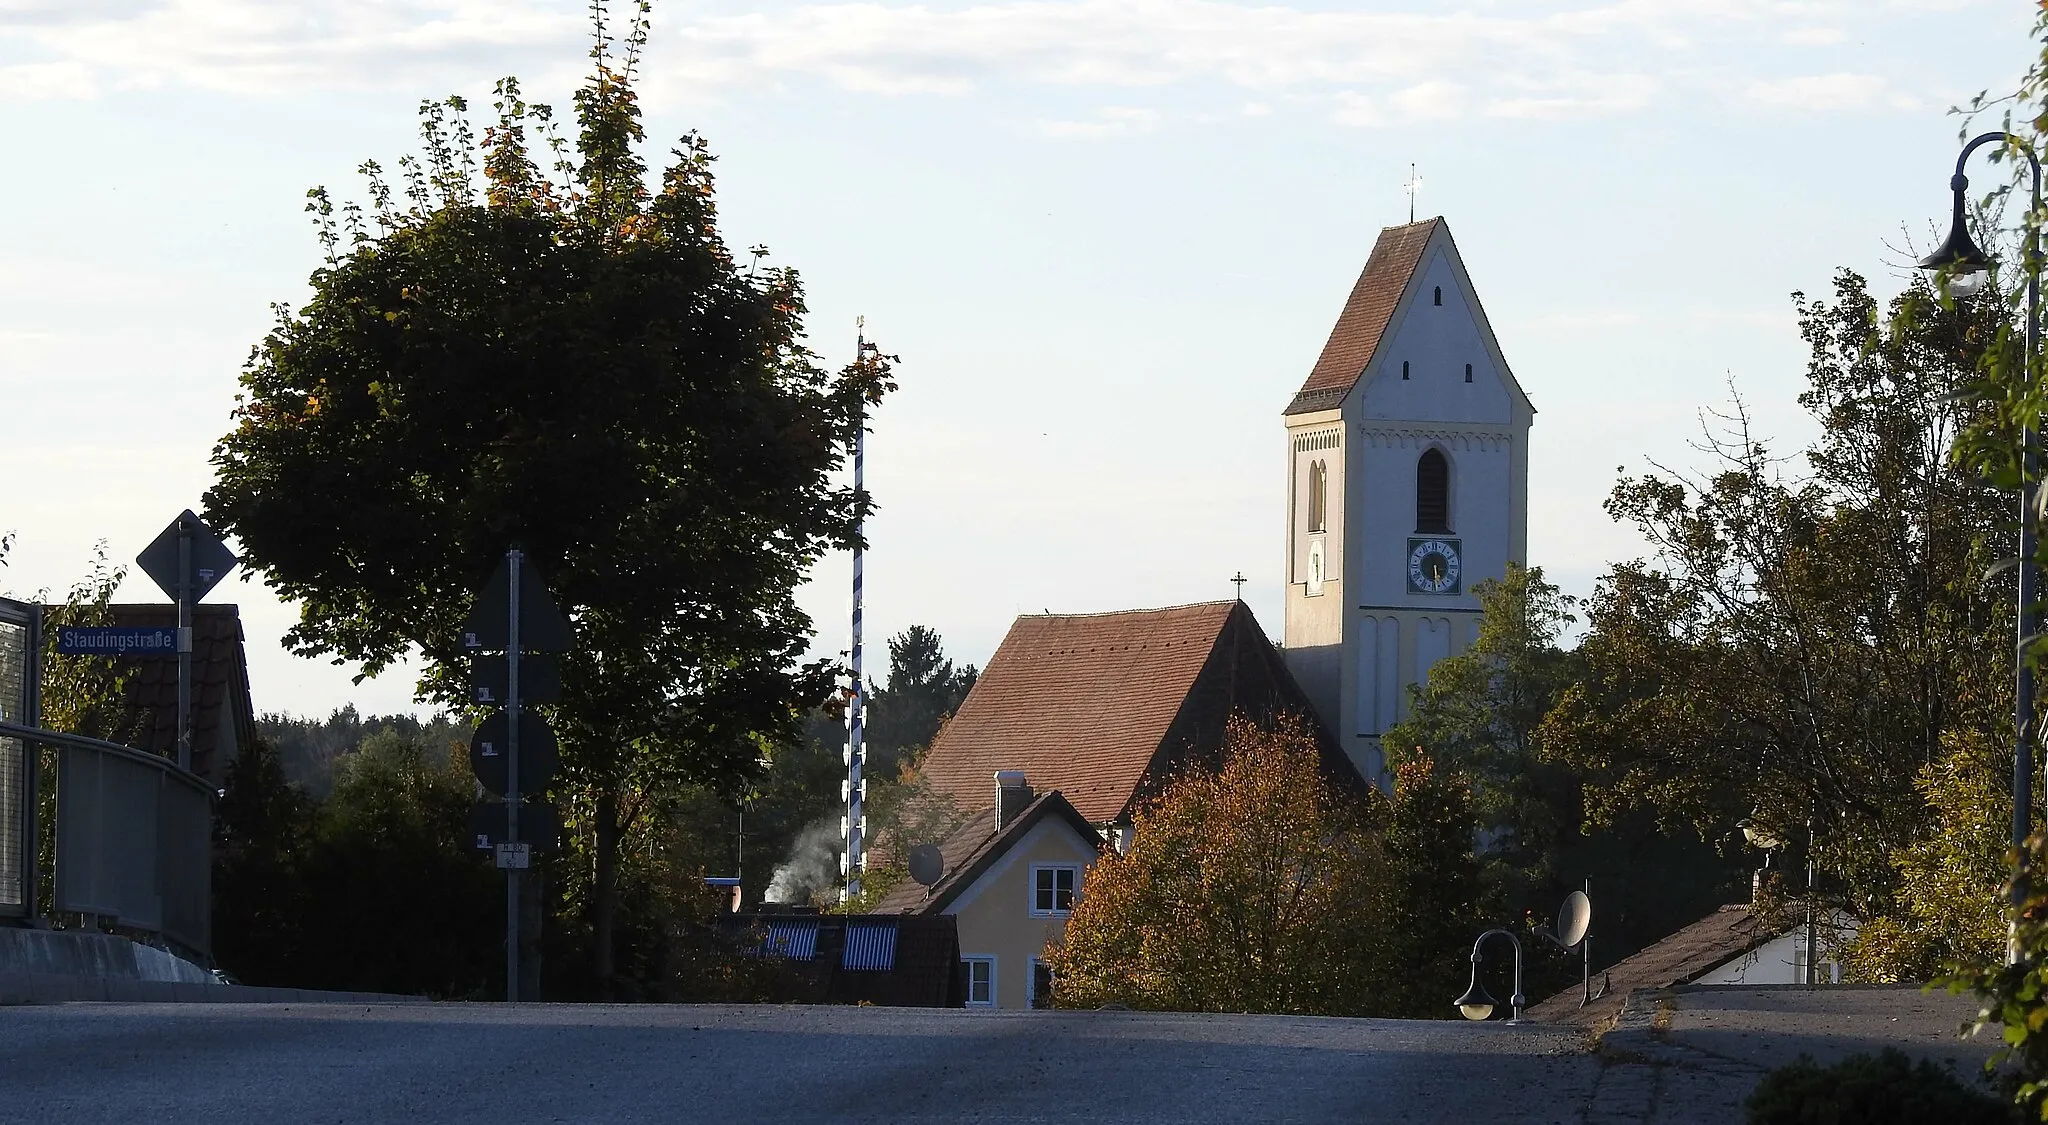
[1468,373]
[1404,369]
[1439,294]
[1432,492]
[1318,496]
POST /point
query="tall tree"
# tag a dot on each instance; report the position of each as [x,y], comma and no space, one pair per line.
[924,688]
[1802,644]
[1260,887]
[570,361]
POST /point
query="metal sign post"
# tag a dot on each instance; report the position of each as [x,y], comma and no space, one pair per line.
[186,560]
[513,754]
[512,874]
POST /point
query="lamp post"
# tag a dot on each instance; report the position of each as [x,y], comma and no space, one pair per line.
[1964,269]
[1477,1003]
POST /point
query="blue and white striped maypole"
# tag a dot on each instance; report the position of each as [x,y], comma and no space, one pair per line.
[854,826]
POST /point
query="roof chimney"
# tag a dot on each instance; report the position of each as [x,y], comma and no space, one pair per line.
[1011,796]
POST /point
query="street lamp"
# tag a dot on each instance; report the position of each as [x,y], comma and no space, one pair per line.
[1477,1003]
[1963,269]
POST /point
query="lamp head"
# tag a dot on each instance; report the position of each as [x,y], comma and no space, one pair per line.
[1476,1004]
[1960,263]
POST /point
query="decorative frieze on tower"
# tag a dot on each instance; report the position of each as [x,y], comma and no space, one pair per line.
[1407,482]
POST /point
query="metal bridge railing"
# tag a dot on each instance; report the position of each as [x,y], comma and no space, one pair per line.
[134,837]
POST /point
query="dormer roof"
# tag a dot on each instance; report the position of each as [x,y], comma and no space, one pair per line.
[1367,313]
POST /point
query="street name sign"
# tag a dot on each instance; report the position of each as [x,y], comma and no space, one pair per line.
[116,640]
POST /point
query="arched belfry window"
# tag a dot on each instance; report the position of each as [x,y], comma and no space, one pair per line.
[1318,496]
[1439,294]
[1432,492]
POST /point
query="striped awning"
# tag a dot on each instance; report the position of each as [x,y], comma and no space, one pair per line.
[796,940]
[870,946]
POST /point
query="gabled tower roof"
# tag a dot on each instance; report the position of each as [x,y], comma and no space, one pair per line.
[1366,315]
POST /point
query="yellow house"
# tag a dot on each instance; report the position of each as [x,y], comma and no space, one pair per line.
[1010,876]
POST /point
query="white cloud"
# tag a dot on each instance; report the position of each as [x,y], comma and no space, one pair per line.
[1825,92]
[1566,58]
[1110,121]
[1814,36]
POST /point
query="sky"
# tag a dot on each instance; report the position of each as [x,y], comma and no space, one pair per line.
[1107,240]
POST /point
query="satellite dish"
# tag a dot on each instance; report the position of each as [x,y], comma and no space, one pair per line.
[1573,918]
[927,865]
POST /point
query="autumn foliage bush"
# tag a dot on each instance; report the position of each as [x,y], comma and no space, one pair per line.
[1264,886]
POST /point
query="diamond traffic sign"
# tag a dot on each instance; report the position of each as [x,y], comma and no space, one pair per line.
[489,754]
[210,558]
[542,628]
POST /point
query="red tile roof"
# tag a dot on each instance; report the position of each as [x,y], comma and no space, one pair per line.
[973,848]
[1103,707]
[1680,958]
[220,686]
[1366,315]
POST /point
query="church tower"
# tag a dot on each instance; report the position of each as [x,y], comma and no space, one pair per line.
[1407,483]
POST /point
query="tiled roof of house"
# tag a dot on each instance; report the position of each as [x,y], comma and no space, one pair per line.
[973,848]
[220,684]
[1366,315]
[1680,958]
[1103,707]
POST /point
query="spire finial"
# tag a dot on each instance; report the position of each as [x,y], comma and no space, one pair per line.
[1239,581]
[1413,186]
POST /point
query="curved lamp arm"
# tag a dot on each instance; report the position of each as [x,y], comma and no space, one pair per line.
[1476,998]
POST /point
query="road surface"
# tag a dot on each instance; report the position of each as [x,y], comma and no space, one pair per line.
[458,1063]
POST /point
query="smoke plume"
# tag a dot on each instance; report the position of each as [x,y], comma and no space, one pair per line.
[812,866]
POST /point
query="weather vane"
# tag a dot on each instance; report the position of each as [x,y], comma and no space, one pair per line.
[1413,186]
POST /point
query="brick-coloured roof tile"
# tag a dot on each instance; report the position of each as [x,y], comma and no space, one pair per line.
[1079,703]
[1367,312]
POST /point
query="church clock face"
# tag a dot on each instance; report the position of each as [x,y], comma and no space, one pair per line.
[1433,566]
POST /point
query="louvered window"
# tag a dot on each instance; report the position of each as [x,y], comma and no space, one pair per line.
[1432,492]
[1318,496]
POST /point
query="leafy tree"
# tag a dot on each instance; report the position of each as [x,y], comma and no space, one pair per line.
[1261,887]
[1480,717]
[571,361]
[1439,903]
[369,890]
[1250,889]
[1801,646]
[1479,714]
[924,689]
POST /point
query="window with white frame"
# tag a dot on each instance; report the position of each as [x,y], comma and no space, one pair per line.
[1053,886]
[981,981]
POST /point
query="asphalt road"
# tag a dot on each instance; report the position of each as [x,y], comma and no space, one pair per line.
[544,1063]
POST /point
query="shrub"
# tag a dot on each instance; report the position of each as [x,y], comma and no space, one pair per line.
[1870,1090]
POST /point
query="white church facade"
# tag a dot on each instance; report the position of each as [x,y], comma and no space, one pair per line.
[1408,483]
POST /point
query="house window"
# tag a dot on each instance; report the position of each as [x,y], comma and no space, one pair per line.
[1052,888]
[1439,294]
[1041,984]
[981,981]
[1432,492]
[1318,496]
